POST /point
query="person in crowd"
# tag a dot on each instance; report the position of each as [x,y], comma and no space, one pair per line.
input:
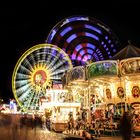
[97,128]
[125,126]
[133,124]
[104,126]
[33,121]
[43,119]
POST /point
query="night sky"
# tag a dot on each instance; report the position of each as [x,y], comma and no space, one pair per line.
[26,25]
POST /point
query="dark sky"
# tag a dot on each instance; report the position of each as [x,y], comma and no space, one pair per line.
[24,25]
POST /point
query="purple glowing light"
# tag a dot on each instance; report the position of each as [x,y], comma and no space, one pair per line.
[93,28]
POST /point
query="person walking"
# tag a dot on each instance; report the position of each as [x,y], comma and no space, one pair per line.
[125,126]
[43,119]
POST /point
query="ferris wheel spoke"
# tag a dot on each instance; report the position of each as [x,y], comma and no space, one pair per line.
[40,59]
[44,54]
[30,99]
[51,53]
[34,101]
[24,69]
[23,88]
[27,97]
[29,103]
[32,59]
[49,60]
[24,95]
[21,83]
[61,63]
[21,76]
[41,56]
[26,62]
[20,93]
[38,55]
[56,77]
[53,61]
[58,72]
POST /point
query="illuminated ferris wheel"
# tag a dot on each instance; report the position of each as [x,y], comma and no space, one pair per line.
[35,71]
[84,39]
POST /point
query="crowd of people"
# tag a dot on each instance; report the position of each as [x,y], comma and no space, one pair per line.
[35,120]
[125,126]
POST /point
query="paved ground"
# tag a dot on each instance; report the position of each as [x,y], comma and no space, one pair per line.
[9,131]
[28,134]
[115,138]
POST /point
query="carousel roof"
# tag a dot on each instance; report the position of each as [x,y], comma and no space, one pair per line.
[127,52]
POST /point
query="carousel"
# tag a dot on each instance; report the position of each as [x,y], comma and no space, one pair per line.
[108,88]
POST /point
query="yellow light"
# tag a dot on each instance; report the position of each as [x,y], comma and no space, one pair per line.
[47,80]
[128,90]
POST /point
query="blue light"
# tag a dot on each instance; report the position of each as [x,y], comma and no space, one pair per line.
[105,46]
[106,37]
[72,19]
[65,31]
[72,37]
[108,52]
[89,45]
[96,56]
[89,56]
[109,41]
[90,51]
[106,49]
[97,50]
[52,34]
[102,43]
[93,28]
[92,36]
[114,50]
[78,47]
[78,18]
[54,52]
[82,52]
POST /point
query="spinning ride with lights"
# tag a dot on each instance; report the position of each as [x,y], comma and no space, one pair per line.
[37,70]
[84,39]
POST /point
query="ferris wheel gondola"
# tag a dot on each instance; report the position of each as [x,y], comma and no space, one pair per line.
[35,71]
